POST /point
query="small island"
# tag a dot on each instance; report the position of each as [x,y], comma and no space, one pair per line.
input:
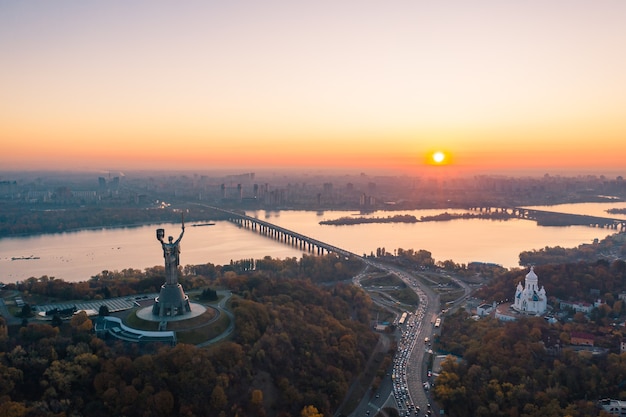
[343,221]
[407,218]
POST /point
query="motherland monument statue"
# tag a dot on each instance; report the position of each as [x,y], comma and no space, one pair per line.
[172,300]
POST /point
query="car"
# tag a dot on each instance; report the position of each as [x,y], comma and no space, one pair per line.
[429,373]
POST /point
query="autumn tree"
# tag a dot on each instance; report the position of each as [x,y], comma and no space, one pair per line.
[218,398]
[310,411]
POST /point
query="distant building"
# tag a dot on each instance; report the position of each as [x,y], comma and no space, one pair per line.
[578,306]
[85,195]
[529,299]
[582,339]
[367,201]
[381,327]
[8,189]
[613,407]
[38,196]
[485,309]
[505,312]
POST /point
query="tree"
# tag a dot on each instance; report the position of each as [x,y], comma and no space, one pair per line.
[103,310]
[209,294]
[256,401]
[12,409]
[26,311]
[56,320]
[163,402]
[81,322]
[310,411]
[218,398]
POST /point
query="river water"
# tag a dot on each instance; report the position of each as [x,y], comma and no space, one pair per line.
[77,256]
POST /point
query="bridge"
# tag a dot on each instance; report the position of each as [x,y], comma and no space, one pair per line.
[552,218]
[308,244]
[281,234]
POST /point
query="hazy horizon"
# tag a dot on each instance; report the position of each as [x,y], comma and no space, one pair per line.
[500,87]
[6,175]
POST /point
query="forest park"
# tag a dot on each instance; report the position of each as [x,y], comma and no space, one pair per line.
[527,368]
[296,349]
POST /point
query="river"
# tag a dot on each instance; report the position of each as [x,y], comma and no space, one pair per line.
[77,256]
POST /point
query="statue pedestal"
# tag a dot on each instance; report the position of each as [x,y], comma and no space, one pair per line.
[172,301]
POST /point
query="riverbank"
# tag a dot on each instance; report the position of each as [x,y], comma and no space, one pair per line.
[22,220]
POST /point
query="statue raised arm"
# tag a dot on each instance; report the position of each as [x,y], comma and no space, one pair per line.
[171,253]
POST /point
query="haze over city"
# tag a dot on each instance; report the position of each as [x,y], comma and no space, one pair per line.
[495,86]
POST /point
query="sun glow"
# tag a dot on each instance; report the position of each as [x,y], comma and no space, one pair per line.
[439,157]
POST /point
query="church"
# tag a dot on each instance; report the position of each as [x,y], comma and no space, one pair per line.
[529,299]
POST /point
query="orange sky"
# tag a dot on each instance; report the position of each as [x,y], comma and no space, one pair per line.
[359,85]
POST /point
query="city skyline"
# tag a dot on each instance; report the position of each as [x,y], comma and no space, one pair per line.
[497,86]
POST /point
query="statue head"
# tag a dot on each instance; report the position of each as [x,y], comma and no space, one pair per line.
[170,238]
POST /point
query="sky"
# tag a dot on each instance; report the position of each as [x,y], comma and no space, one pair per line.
[362,85]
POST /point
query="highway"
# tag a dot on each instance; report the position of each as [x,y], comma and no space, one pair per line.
[404,388]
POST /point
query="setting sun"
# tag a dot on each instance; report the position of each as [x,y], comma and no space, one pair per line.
[439,157]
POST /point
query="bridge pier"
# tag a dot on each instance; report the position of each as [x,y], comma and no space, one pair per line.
[280,234]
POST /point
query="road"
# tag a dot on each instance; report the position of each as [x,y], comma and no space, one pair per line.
[221,308]
[404,387]
[428,309]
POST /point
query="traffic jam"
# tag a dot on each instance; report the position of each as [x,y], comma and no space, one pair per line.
[408,324]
